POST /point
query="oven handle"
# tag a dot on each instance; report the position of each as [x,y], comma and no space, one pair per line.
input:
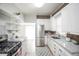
[14,46]
[17,51]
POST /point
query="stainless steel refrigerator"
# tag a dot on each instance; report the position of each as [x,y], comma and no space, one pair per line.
[40,40]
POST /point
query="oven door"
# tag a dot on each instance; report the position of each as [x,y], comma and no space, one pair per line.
[18,52]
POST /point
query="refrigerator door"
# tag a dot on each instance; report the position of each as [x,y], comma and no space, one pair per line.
[42,42]
[40,36]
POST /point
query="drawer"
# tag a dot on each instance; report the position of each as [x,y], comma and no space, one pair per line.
[62,53]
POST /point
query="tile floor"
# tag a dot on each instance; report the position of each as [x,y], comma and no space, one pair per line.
[43,51]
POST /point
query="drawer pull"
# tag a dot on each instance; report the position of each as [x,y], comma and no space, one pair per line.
[54,48]
[60,50]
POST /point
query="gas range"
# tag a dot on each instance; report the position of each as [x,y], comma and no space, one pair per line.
[9,48]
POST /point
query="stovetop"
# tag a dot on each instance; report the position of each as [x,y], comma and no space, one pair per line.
[7,46]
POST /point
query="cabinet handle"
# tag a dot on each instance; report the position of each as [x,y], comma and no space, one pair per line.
[54,48]
[60,50]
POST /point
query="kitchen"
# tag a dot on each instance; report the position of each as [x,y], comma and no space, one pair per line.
[39,29]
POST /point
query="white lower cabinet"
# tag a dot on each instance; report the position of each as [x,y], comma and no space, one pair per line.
[62,53]
[50,45]
[56,49]
[53,47]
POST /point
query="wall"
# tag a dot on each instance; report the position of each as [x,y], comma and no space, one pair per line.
[11,8]
[29,44]
[7,11]
[30,18]
[3,20]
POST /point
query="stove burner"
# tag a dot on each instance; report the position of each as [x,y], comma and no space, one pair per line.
[7,46]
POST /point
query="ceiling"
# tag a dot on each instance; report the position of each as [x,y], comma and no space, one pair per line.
[29,8]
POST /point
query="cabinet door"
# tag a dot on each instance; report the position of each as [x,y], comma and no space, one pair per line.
[54,48]
[50,45]
[57,51]
[62,53]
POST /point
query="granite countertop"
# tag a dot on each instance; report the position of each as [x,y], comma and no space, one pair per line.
[69,46]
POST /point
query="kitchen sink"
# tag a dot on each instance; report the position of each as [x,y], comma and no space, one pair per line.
[56,37]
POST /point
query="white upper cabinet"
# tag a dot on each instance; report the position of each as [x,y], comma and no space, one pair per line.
[68,21]
[45,22]
[70,15]
[53,23]
[56,22]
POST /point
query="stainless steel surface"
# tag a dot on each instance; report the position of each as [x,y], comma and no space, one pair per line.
[40,41]
[18,52]
[9,48]
[3,37]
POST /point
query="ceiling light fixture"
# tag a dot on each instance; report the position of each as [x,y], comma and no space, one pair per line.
[38,4]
